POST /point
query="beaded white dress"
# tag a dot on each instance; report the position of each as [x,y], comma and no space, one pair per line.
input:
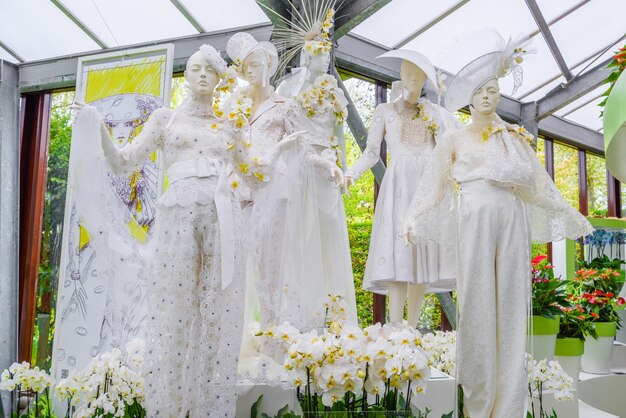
[195,282]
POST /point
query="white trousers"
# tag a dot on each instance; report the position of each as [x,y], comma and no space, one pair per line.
[493,282]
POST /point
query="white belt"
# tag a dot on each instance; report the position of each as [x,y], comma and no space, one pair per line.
[212,167]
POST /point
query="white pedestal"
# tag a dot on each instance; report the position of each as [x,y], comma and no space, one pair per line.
[597,357]
[439,396]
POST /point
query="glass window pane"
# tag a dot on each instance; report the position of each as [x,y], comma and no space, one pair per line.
[596,185]
[123,22]
[240,13]
[399,19]
[566,172]
[37,29]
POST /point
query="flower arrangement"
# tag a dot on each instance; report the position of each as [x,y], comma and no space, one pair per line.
[109,386]
[599,241]
[596,291]
[549,294]
[575,321]
[346,368]
[420,112]
[232,103]
[490,130]
[544,375]
[440,348]
[28,381]
[324,97]
[319,36]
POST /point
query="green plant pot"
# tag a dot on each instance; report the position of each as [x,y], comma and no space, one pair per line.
[545,326]
[569,347]
[606,329]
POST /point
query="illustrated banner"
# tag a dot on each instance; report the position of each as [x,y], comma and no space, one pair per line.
[101,299]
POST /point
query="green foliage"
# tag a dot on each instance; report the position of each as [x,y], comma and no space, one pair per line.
[549,294]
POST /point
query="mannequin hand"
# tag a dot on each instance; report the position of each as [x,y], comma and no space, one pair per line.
[408,232]
[349,181]
[76,108]
[336,174]
[290,141]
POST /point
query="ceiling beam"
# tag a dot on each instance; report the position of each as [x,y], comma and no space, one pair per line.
[11,52]
[577,87]
[82,26]
[352,12]
[571,133]
[432,23]
[549,38]
[190,18]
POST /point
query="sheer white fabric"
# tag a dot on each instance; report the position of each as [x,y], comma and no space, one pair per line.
[491,150]
[410,131]
[300,223]
[194,321]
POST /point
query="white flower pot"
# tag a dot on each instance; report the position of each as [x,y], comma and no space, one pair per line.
[543,338]
[597,357]
[571,366]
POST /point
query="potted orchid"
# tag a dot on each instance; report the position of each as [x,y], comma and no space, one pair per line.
[597,291]
[549,294]
[544,375]
[30,386]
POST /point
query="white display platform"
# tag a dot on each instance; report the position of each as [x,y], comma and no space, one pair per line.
[439,397]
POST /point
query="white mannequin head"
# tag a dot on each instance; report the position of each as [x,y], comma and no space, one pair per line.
[317,63]
[486,97]
[412,76]
[201,76]
[256,68]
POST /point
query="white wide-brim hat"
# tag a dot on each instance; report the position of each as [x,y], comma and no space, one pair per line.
[416,58]
[242,44]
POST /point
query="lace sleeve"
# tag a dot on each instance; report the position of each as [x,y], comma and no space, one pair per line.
[551,218]
[433,208]
[124,160]
[293,119]
[371,152]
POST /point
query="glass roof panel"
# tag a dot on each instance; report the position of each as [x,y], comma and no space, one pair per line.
[581,102]
[25,27]
[240,13]
[450,44]
[588,115]
[594,23]
[551,9]
[399,19]
[131,22]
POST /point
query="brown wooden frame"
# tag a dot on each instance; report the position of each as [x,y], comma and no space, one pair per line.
[34,140]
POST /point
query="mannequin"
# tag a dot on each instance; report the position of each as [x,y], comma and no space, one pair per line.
[506,198]
[196,279]
[313,256]
[410,125]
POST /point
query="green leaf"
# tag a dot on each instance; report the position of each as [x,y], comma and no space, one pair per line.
[282,411]
[254,410]
[448,415]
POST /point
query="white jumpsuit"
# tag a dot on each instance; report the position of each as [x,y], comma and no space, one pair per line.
[196,288]
[506,198]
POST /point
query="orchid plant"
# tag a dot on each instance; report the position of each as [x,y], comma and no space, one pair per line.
[546,375]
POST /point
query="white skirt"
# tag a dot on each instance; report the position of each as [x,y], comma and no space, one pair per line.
[389,259]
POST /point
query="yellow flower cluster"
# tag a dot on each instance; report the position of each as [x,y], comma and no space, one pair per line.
[321,44]
[420,111]
[490,130]
[524,133]
[322,97]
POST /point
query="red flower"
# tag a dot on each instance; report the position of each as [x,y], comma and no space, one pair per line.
[609,294]
[592,300]
[598,292]
[595,315]
[620,301]
[581,317]
[538,259]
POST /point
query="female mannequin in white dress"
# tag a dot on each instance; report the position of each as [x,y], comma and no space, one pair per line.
[315,252]
[196,289]
[506,198]
[410,126]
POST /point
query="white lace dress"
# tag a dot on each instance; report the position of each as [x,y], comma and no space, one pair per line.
[410,131]
[506,198]
[196,286]
[312,252]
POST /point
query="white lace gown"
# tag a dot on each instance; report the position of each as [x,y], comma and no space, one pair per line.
[311,255]
[196,285]
[410,135]
[506,198]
